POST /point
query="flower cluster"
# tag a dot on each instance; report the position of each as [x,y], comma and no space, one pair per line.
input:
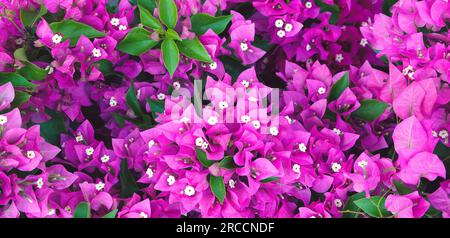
[224,108]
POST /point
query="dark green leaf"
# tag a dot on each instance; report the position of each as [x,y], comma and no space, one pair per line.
[52,129]
[370,109]
[148,20]
[401,188]
[201,156]
[333,9]
[28,18]
[442,151]
[227,162]
[73,30]
[168,13]
[156,107]
[32,72]
[20,98]
[194,49]
[373,206]
[16,79]
[269,179]
[387,4]
[137,42]
[351,206]
[128,184]
[202,22]
[218,187]
[111,214]
[339,87]
[171,55]
[171,34]
[232,66]
[83,210]
[105,66]
[132,100]
[149,5]
[20,54]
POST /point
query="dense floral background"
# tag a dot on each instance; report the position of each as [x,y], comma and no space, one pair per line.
[144,108]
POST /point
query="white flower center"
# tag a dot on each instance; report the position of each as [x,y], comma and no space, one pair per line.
[205,145]
[434,133]
[279,23]
[171,180]
[143,215]
[161,96]
[112,102]
[79,138]
[244,46]
[337,131]
[339,58]
[245,119]
[288,27]
[212,120]
[362,164]
[273,131]
[213,65]
[363,42]
[308,5]
[189,190]
[57,38]
[105,158]
[308,47]
[51,211]
[49,69]
[96,52]
[199,141]
[3,120]
[256,124]
[149,172]
[302,147]
[89,151]
[31,154]
[223,105]
[245,83]
[443,134]
[19,41]
[151,143]
[338,202]
[321,90]
[122,27]
[176,85]
[281,33]
[99,186]
[232,183]
[40,183]
[336,167]
[115,21]
[296,168]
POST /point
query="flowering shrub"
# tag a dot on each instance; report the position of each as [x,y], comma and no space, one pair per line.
[224,108]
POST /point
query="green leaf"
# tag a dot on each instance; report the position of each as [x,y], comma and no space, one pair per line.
[171,34]
[442,151]
[227,162]
[20,98]
[370,109]
[168,13]
[128,184]
[201,156]
[386,7]
[351,206]
[269,179]
[32,72]
[194,49]
[111,214]
[137,42]
[72,30]
[132,100]
[218,187]
[373,206]
[20,54]
[401,188]
[147,19]
[333,9]
[83,210]
[53,128]
[149,5]
[202,22]
[105,66]
[16,79]
[156,107]
[339,87]
[171,55]
[28,18]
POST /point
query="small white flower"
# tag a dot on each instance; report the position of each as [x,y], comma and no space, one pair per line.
[336,167]
[3,120]
[50,69]
[205,145]
[244,46]
[288,119]
[362,164]
[31,154]
[411,75]
[96,53]
[231,183]
[19,41]
[363,42]
[434,133]
[199,141]
[245,119]
[338,202]
[321,90]
[213,66]
[308,5]
[337,131]
[245,83]
[150,144]
[189,190]
[296,168]
[281,33]
[408,69]
[40,183]
[308,47]
[143,215]
[273,131]
[57,38]
[112,102]
[288,27]
[51,211]
[443,134]
[99,186]
[279,23]
[105,158]
[115,21]
[176,85]
[79,138]
[302,147]
[339,58]
[149,172]
[223,105]
[256,124]
[212,120]
[122,27]
[170,180]
[161,96]
[89,151]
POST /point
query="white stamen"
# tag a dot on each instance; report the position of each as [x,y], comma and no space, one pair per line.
[115,21]
[308,5]
[443,134]
[143,215]
[149,172]
[245,83]
[232,183]
[223,105]
[213,66]
[89,151]
[302,147]
[150,144]
[256,124]
[112,102]
[40,183]
[321,90]
[296,168]
[161,96]
[99,186]
[79,138]
[308,47]
[338,203]
[57,38]
[189,190]
[339,58]
[31,154]
[170,180]
[363,42]
[205,145]
[176,85]
[279,23]
[96,53]
[105,158]
[244,46]
[212,120]
[336,167]
[281,33]
[337,131]
[199,141]
[245,119]
[288,27]
[122,27]
[362,164]
[3,120]
[273,131]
